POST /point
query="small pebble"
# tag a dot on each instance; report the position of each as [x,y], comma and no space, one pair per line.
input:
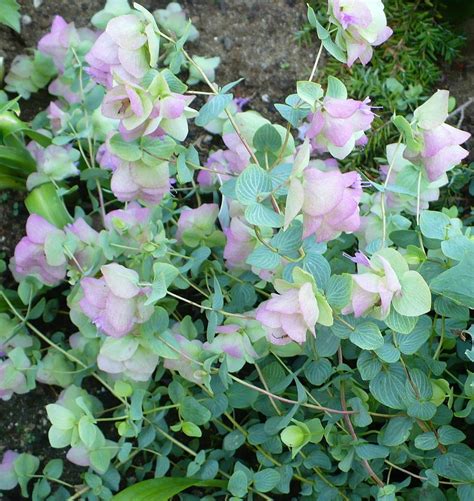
[265,98]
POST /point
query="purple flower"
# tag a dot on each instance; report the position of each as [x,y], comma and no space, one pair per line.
[115,303]
[289,315]
[30,257]
[8,477]
[361,26]
[126,357]
[330,203]
[239,244]
[139,181]
[440,148]
[339,126]
[198,221]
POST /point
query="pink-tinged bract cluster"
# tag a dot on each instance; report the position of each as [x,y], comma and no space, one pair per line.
[361,25]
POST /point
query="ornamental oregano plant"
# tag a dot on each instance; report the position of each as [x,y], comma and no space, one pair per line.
[256,322]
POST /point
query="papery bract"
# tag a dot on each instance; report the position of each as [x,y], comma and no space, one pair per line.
[198,221]
[30,257]
[289,315]
[339,125]
[440,148]
[330,203]
[361,25]
[52,163]
[8,476]
[126,357]
[115,302]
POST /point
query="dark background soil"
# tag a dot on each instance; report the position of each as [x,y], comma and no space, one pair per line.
[255,40]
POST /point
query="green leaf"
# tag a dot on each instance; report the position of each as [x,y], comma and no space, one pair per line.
[412,342]
[400,323]
[449,435]
[457,283]
[372,451]
[404,127]
[318,372]
[309,92]
[455,466]
[261,215]
[213,108]
[434,224]
[233,440]
[45,201]
[263,258]
[426,441]
[338,290]
[184,173]
[415,297]
[127,150]
[25,465]
[252,183]
[191,430]
[336,88]
[60,417]
[266,480]
[388,387]
[367,336]
[87,431]
[335,51]
[10,14]
[238,484]
[267,139]
[191,410]
[397,431]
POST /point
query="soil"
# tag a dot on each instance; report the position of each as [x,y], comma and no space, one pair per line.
[255,40]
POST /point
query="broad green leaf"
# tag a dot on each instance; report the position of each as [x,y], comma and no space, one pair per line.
[309,92]
[415,297]
[261,215]
[45,201]
[426,441]
[367,336]
[266,480]
[10,14]
[238,484]
[252,183]
[372,451]
[264,258]
[267,139]
[457,283]
[396,432]
[338,290]
[336,88]
[400,323]
[455,466]
[60,417]
[213,108]
[434,224]
[434,111]
[388,387]
[318,372]
[127,150]
[449,435]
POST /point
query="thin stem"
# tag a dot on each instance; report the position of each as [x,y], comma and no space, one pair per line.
[348,421]
[316,62]
[289,401]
